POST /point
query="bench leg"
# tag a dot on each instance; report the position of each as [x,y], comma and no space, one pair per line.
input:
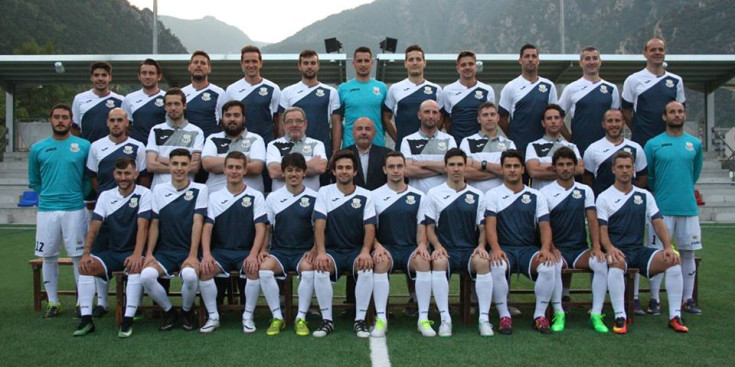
[465,296]
[629,286]
[695,291]
[288,299]
[37,298]
[119,298]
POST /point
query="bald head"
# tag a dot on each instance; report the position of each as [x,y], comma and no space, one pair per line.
[118,123]
[429,115]
[363,132]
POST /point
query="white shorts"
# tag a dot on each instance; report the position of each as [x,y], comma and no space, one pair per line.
[56,226]
[683,231]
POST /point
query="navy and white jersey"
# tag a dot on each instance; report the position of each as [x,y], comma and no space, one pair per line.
[89,112]
[308,147]
[201,107]
[404,99]
[399,214]
[648,94]
[455,214]
[517,214]
[165,137]
[524,102]
[291,218]
[219,144]
[598,161]
[480,147]
[543,150]
[586,102]
[119,216]
[234,218]
[567,208]
[319,102]
[261,104]
[420,147]
[144,111]
[625,215]
[175,210]
[461,104]
[346,216]
[104,153]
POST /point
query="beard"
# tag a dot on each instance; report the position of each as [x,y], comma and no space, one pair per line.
[233,131]
[198,78]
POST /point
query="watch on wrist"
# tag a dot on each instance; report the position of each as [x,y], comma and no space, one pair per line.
[484,165]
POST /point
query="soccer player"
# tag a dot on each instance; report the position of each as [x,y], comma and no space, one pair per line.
[424,150]
[56,173]
[122,213]
[234,137]
[587,99]
[540,152]
[344,232]
[203,97]
[290,211]
[364,96]
[175,133]
[463,97]
[513,213]
[483,150]
[523,99]
[145,107]
[454,227]
[179,207]
[90,108]
[296,141]
[623,211]
[675,165]
[405,97]
[231,240]
[598,156]
[646,93]
[570,205]
[370,171]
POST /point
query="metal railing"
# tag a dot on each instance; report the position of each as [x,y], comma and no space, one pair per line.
[723,149]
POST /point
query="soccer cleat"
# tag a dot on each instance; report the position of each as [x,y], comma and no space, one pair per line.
[187,320]
[506,326]
[637,308]
[248,326]
[126,328]
[514,311]
[170,318]
[99,311]
[558,324]
[541,324]
[52,310]
[85,327]
[424,327]
[677,325]
[485,328]
[380,328]
[654,307]
[361,329]
[326,328]
[691,307]
[275,328]
[209,326]
[301,328]
[597,323]
[621,326]
[138,315]
[445,329]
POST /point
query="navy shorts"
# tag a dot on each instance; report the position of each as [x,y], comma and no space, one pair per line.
[289,259]
[520,258]
[571,256]
[344,261]
[640,258]
[112,261]
[229,260]
[171,261]
[401,257]
[459,260]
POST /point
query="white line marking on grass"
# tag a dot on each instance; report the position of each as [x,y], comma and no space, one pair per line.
[379,352]
[16,228]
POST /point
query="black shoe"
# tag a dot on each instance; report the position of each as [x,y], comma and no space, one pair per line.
[326,328]
[187,321]
[126,328]
[361,329]
[77,312]
[85,327]
[169,319]
[99,311]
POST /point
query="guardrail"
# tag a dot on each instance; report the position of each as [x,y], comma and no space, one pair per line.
[724,150]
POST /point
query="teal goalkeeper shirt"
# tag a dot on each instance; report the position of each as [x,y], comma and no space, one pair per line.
[674,165]
[56,173]
[362,99]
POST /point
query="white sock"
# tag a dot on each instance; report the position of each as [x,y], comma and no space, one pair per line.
[688,272]
[149,278]
[599,284]
[75,264]
[381,290]
[500,289]
[423,293]
[557,292]
[636,285]
[305,291]
[544,287]
[208,289]
[654,284]
[324,293]
[252,291]
[484,290]
[616,287]
[674,285]
[363,292]
[102,286]
[270,291]
[188,288]
[85,288]
[133,291]
[440,287]
[50,271]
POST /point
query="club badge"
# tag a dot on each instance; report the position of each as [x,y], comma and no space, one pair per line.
[502,146]
[246,144]
[246,202]
[626,149]
[689,146]
[110,103]
[189,195]
[427,90]
[128,149]
[576,194]
[469,199]
[356,203]
[186,139]
[525,198]
[319,93]
[159,102]
[263,91]
[74,147]
[479,94]
[304,203]
[442,145]
[133,203]
[669,83]
[306,149]
[376,91]
[542,88]
[410,200]
[206,96]
[603,89]
[637,200]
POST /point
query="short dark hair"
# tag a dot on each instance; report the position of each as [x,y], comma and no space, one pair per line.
[486,104]
[415,48]
[200,53]
[124,162]
[250,48]
[100,65]
[175,91]
[150,62]
[363,49]
[526,47]
[512,153]
[621,154]
[60,106]
[555,107]
[344,154]
[295,160]
[179,152]
[237,155]
[308,53]
[393,153]
[564,152]
[466,53]
[232,103]
[588,49]
[454,152]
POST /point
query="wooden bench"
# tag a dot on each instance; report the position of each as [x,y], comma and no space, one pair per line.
[39,293]
[695,291]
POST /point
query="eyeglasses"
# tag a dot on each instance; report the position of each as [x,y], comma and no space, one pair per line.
[294,121]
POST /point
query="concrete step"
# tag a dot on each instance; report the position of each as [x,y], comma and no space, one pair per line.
[15,215]
[13,181]
[717,212]
[15,156]
[13,166]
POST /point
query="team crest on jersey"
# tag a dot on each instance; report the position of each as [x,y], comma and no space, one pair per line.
[427,90]
[246,144]
[246,202]
[626,149]
[189,195]
[356,203]
[603,89]
[186,139]
[689,146]
[525,199]
[133,203]
[206,96]
[442,145]
[110,103]
[74,147]
[263,91]
[669,83]
[376,91]
[307,149]
[128,149]
[542,88]
[637,200]
[319,93]
[469,199]
[576,194]
[159,102]
[501,146]
[304,203]
[410,200]
[479,94]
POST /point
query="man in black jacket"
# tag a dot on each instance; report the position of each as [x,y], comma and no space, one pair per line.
[370,173]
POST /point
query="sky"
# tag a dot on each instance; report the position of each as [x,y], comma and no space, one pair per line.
[263,20]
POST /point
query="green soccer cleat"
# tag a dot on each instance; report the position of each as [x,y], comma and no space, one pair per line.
[558,324]
[301,328]
[126,328]
[275,328]
[380,328]
[597,323]
[86,326]
[52,310]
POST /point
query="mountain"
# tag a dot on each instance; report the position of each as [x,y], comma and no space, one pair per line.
[209,34]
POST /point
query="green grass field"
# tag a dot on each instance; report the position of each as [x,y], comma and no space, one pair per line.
[27,339]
